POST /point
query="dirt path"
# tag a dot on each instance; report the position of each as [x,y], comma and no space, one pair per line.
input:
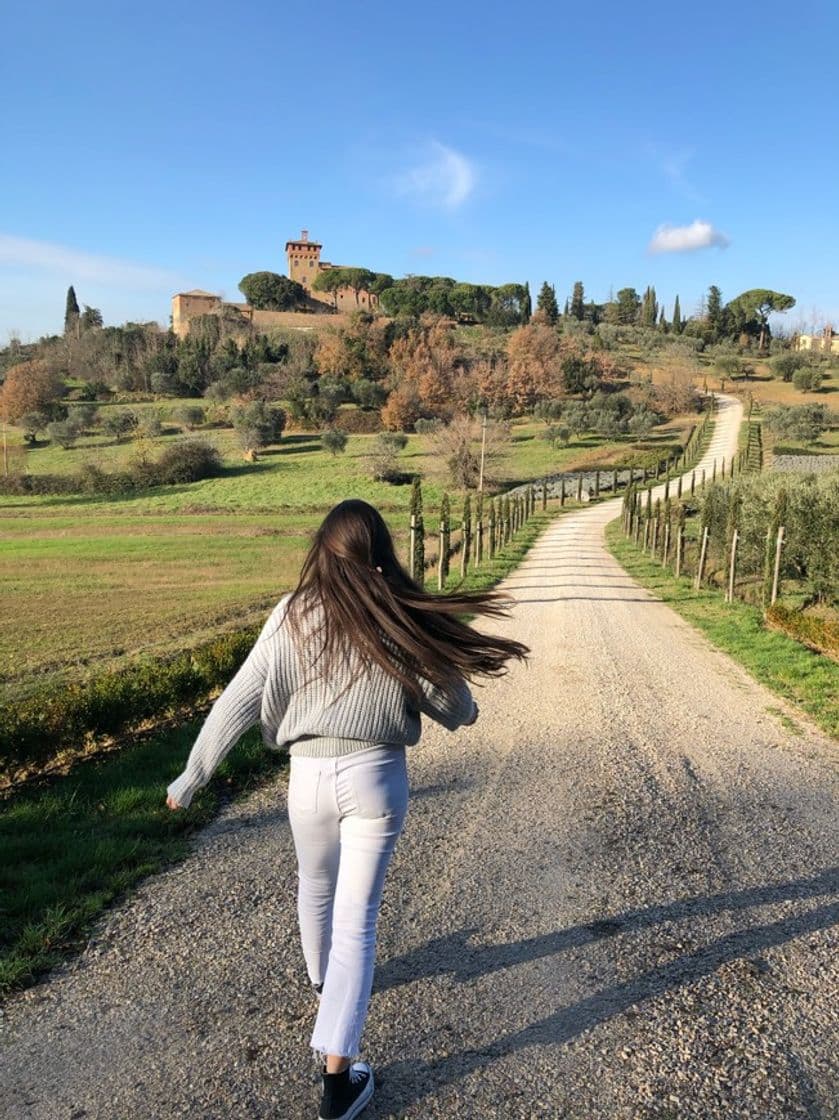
[616,897]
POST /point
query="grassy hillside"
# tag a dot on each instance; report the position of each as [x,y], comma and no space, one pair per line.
[89,580]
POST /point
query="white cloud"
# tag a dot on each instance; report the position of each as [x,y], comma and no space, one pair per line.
[687,239]
[75,265]
[443,177]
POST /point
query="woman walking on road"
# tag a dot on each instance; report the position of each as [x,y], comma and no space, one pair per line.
[340,674]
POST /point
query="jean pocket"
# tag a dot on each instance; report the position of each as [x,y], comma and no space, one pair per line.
[380,786]
[303,789]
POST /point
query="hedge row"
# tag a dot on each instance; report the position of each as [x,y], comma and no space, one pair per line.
[52,719]
[187,461]
[820,634]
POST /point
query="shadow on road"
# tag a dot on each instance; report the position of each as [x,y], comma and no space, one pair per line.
[454,955]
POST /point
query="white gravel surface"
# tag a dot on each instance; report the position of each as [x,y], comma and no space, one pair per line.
[616,897]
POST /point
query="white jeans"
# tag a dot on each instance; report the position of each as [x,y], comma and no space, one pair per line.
[346,815]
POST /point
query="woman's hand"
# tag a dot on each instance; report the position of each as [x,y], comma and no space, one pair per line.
[172,803]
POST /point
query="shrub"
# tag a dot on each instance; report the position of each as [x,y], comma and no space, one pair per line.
[356,421]
[151,425]
[807,379]
[120,424]
[786,364]
[63,432]
[368,394]
[425,427]
[383,461]
[190,416]
[188,461]
[333,441]
[258,424]
[31,423]
[83,415]
[804,423]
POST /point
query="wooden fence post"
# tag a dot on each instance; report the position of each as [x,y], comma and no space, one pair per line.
[544,493]
[479,541]
[779,543]
[464,549]
[713,473]
[579,487]
[703,552]
[413,547]
[597,484]
[562,491]
[615,482]
[441,560]
[666,552]
[692,483]
[703,478]
[680,545]
[679,487]
[729,597]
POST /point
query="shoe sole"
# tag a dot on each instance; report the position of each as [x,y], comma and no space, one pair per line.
[360,1103]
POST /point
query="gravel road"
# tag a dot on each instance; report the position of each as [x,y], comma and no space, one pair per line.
[615,898]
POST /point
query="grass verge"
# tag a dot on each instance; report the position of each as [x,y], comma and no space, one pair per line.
[73,845]
[788,668]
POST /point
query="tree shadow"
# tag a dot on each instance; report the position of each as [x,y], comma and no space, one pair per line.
[454,955]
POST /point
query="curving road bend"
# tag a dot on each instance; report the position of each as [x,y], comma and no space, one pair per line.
[615,899]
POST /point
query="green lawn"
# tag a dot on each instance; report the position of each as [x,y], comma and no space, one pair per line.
[89,580]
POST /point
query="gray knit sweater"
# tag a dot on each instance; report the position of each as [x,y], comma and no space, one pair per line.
[324,718]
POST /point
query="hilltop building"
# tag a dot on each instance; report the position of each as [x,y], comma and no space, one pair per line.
[827,342]
[304,264]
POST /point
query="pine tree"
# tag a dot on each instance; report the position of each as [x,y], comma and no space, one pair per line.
[546,303]
[677,317]
[71,312]
[566,309]
[419,538]
[577,301]
[527,304]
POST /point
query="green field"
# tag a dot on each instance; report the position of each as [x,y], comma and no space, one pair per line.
[89,580]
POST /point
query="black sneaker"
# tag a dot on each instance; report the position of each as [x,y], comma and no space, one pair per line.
[346,1094]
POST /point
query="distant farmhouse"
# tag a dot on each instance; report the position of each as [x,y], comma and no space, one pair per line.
[827,342]
[304,264]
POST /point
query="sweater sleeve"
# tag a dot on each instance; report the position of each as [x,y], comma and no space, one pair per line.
[235,711]
[452,711]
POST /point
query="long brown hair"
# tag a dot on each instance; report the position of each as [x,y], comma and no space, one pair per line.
[373,607]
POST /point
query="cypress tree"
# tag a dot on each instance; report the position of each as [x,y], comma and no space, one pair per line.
[419,541]
[713,310]
[565,310]
[546,303]
[445,520]
[71,312]
[677,317]
[527,304]
[578,309]
[662,322]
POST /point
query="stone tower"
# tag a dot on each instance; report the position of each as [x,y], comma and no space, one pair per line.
[303,260]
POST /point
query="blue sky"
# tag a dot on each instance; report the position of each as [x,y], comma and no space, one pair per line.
[155,148]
